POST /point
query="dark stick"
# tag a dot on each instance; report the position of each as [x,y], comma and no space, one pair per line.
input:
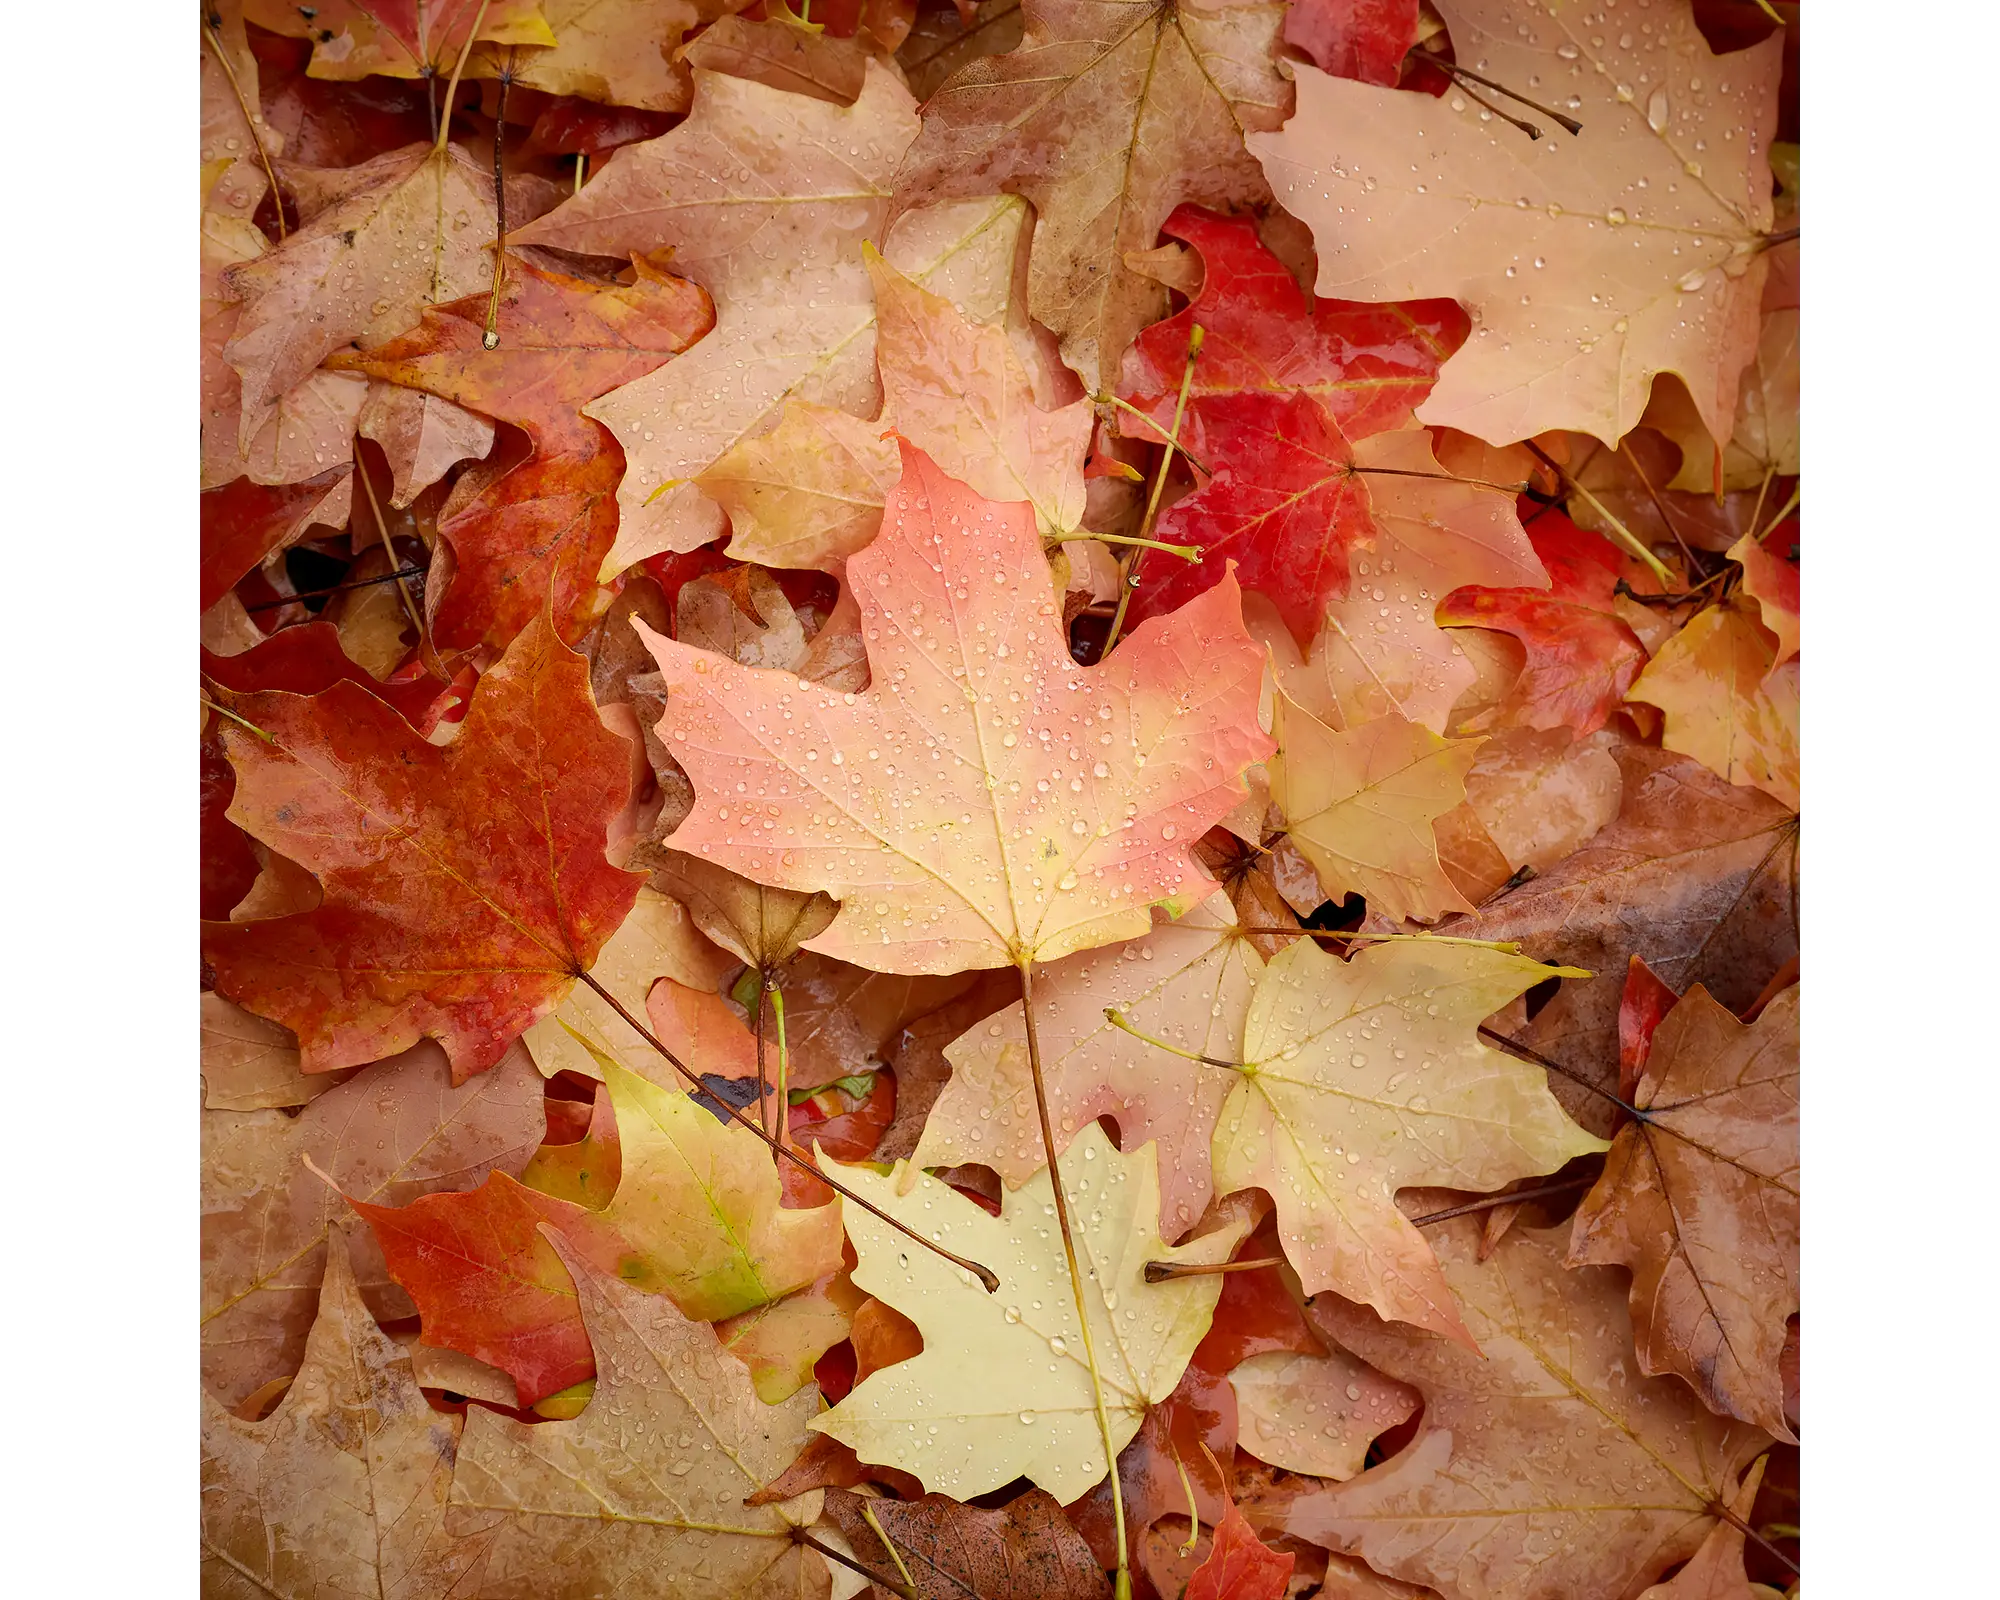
[893,1585]
[1514,1047]
[1488,1202]
[338,588]
[1453,70]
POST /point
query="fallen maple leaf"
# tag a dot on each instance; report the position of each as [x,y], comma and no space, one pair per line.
[1037,808]
[1541,794]
[385,238]
[585,1169]
[698,1207]
[248,1064]
[342,1489]
[1186,982]
[1366,1076]
[488,1282]
[1545,1467]
[841,1019]
[1361,805]
[1589,263]
[399,38]
[465,887]
[1715,1571]
[613,1498]
[1108,115]
[423,436]
[1025,1547]
[765,198]
[1582,658]
[1700,1199]
[1695,877]
[1369,365]
[782,1342]
[753,922]
[957,391]
[1729,700]
[396,1130]
[526,533]
[621,52]
[1002,1388]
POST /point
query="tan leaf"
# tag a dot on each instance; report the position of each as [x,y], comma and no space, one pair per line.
[1546,1466]
[1701,1200]
[390,236]
[808,493]
[1542,794]
[618,52]
[612,1499]
[757,924]
[1578,257]
[396,1131]
[423,436]
[1316,1414]
[1361,805]
[249,1064]
[342,1489]
[766,198]
[1696,878]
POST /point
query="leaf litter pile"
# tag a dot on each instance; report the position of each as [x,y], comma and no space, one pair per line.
[943,744]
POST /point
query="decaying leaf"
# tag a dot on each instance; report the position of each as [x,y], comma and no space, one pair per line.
[1546,1466]
[342,1489]
[593,1499]
[1700,1199]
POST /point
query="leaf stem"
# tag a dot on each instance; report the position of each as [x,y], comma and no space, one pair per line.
[1116,1018]
[1659,505]
[1622,534]
[244,722]
[1514,1047]
[1122,1584]
[1488,1202]
[763,1079]
[1187,1486]
[908,1591]
[389,549]
[1167,1271]
[986,1275]
[1453,70]
[1717,1509]
[1187,552]
[451,89]
[784,1069]
[1193,459]
[1195,336]
[490,340]
[250,121]
[1438,477]
[868,1516]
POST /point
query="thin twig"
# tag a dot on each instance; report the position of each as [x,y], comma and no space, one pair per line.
[1122,1585]
[1718,1509]
[388,548]
[1187,552]
[337,588]
[457,68]
[1659,505]
[1440,477]
[1192,459]
[985,1275]
[1195,337]
[763,1078]
[243,105]
[784,1098]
